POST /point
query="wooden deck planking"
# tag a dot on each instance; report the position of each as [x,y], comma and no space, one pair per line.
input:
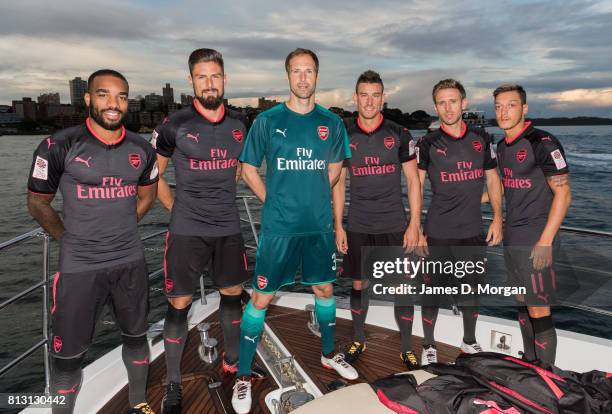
[380,359]
[196,398]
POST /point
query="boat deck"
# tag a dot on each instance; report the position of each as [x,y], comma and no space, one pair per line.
[380,359]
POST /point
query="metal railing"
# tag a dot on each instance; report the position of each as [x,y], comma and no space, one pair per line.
[43,342]
[44,283]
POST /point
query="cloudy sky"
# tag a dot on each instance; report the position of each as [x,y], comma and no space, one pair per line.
[559,50]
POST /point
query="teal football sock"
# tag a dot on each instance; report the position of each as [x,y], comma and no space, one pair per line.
[325,309]
[250,333]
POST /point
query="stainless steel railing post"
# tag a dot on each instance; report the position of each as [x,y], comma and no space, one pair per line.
[248,211]
[45,318]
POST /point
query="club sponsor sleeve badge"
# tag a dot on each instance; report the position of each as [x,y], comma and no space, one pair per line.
[558,159]
[41,168]
[411,147]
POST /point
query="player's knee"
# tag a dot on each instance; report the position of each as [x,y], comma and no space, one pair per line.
[231,290]
[538,311]
[325,290]
[261,300]
[360,284]
[67,364]
[134,341]
[180,302]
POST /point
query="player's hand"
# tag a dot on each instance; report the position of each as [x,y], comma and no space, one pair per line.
[341,243]
[422,249]
[495,234]
[411,238]
[541,254]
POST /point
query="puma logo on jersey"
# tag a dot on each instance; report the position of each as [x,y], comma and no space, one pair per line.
[250,339]
[353,147]
[82,161]
[441,151]
[283,132]
[195,137]
[49,142]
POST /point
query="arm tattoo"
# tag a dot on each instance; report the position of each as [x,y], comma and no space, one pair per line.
[559,180]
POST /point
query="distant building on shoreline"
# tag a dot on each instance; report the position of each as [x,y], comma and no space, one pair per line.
[78,87]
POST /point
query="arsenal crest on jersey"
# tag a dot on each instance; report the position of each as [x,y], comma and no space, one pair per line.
[521,155]
[389,142]
[237,134]
[323,132]
[262,282]
[134,160]
[477,145]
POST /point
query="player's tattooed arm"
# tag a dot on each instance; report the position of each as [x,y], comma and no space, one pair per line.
[562,198]
[558,180]
[39,206]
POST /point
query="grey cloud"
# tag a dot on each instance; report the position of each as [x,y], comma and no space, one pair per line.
[554,83]
[77,19]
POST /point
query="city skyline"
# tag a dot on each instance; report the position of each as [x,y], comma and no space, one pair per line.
[559,51]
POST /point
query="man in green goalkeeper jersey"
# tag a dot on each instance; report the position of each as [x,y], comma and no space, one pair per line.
[304,146]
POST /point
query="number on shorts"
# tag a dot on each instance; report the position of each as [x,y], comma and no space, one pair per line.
[334,262]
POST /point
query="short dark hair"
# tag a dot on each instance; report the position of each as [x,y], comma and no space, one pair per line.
[369,76]
[511,87]
[205,55]
[105,72]
[448,84]
[302,51]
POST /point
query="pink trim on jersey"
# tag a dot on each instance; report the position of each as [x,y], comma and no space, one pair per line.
[245,261]
[368,131]
[55,279]
[88,124]
[461,134]
[198,106]
[511,140]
